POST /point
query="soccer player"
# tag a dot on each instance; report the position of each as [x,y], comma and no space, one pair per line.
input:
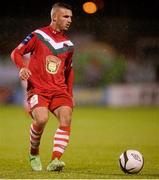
[49,76]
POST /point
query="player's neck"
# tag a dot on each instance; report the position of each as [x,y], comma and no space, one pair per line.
[55,28]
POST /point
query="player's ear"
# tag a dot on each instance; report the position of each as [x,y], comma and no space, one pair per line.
[54,18]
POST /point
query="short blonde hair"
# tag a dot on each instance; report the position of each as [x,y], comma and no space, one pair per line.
[59,5]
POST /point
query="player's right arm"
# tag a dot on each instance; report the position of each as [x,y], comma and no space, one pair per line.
[25,47]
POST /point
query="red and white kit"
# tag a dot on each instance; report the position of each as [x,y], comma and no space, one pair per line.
[51,67]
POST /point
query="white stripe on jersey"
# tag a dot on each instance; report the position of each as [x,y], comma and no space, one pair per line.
[56,45]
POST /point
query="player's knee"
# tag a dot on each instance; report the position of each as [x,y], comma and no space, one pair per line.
[42,120]
[40,115]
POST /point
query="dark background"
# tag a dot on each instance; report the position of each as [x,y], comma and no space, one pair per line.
[119,23]
[123,8]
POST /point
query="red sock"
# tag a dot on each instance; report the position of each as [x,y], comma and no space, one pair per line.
[35,136]
[61,139]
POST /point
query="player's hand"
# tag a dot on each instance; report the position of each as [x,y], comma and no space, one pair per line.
[24,73]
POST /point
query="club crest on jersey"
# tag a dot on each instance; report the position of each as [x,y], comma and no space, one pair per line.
[52,64]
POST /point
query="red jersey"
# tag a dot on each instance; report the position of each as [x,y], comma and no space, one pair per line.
[50,60]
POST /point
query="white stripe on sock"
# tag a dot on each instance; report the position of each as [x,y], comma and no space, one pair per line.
[62,136]
[60,142]
[34,135]
[58,149]
[59,130]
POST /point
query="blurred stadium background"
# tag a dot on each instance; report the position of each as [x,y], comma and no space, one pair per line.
[117,50]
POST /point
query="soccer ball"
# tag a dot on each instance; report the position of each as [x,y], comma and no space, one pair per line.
[131,161]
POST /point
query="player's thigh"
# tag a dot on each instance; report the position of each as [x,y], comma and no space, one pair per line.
[39,108]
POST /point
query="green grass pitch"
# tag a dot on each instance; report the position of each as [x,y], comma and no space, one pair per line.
[99,135]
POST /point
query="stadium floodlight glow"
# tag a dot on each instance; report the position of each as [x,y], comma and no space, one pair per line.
[89,7]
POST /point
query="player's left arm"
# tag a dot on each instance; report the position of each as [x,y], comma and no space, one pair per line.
[69,74]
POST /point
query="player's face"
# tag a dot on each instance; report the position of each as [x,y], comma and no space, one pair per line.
[63,19]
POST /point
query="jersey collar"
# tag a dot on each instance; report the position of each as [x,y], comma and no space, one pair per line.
[55,31]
